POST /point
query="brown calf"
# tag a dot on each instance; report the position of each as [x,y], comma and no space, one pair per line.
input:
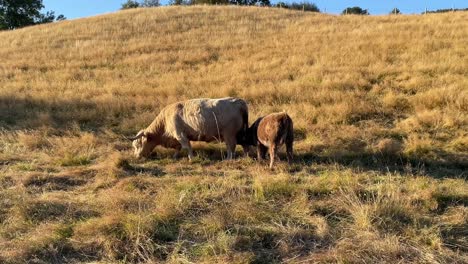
[271,132]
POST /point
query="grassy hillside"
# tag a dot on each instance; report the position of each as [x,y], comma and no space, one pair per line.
[379,103]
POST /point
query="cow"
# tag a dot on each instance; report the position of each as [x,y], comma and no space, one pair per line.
[271,132]
[203,119]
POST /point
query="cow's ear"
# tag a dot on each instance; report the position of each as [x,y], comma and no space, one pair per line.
[140,134]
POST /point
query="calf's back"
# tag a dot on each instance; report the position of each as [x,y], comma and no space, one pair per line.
[274,128]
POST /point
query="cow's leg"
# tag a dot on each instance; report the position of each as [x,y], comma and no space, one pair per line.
[177,152]
[231,143]
[231,148]
[189,149]
[185,144]
[273,150]
[230,154]
[261,151]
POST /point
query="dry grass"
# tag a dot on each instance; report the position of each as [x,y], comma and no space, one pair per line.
[380,105]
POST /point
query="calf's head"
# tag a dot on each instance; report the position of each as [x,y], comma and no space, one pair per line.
[250,137]
[246,137]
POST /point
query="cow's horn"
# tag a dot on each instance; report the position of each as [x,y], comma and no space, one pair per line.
[139,135]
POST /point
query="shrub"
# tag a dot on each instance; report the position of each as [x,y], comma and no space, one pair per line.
[130,4]
[209,2]
[150,3]
[395,11]
[304,6]
[356,10]
[446,10]
[251,2]
[282,4]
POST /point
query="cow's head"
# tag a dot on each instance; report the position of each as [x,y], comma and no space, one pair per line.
[143,144]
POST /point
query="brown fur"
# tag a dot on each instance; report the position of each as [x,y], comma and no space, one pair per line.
[271,132]
[195,120]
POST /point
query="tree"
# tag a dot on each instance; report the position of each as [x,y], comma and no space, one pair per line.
[356,10]
[150,3]
[135,4]
[250,2]
[130,4]
[180,2]
[209,2]
[395,11]
[49,17]
[60,18]
[305,6]
[282,5]
[445,10]
[20,13]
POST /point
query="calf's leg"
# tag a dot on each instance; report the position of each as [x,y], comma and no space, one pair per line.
[289,143]
[289,151]
[273,150]
[246,149]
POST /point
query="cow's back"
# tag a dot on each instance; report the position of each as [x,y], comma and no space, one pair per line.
[206,119]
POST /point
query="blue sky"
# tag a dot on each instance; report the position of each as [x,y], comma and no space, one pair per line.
[83,8]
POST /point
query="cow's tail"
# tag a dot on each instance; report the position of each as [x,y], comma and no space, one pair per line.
[245,119]
[242,134]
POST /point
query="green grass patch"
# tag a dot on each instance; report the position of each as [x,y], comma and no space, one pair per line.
[74,160]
